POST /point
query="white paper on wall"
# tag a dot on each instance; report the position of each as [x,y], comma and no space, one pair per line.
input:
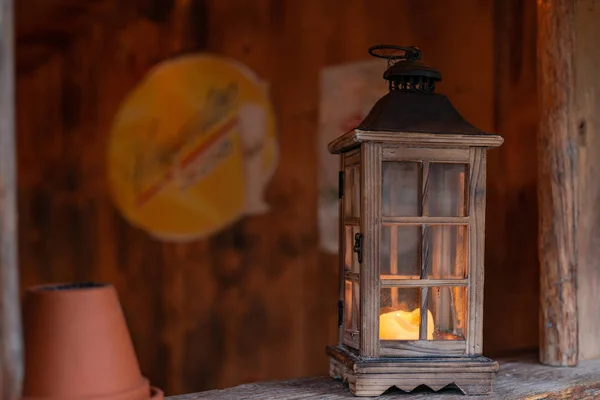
[347,94]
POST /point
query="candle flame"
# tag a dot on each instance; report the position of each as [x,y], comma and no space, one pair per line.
[403,325]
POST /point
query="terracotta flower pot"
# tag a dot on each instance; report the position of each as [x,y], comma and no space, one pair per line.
[77,346]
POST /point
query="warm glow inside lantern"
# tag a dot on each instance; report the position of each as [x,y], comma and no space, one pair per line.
[412,190]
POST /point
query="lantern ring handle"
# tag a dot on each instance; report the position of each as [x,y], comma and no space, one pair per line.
[380,51]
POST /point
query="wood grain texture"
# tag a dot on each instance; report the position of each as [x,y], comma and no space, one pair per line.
[517,379]
[477,204]
[511,260]
[370,205]
[422,347]
[391,281]
[341,260]
[424,253]
[352,158]
[557,184]
[11,352]
[426,220]
[353,138]
[373,377]
[473,194]
[350,335]
[587,104]
[46,27]
[420,154]
[201,314]
[224,311]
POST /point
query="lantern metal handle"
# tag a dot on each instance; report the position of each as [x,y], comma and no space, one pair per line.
[380,51]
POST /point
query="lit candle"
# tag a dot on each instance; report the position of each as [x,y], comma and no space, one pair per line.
[403,325]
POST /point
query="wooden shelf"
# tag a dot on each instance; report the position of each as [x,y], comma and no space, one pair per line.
[518,378]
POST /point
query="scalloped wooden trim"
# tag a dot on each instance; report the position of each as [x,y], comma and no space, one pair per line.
[372,377]
[470,383]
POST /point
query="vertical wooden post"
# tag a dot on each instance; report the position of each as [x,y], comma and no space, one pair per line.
[10,321]
[371,228]
[477,204]
[557,184]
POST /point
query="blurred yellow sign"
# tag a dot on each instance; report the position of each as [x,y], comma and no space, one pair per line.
[192,148]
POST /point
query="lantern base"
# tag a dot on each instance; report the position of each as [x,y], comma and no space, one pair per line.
[373,376]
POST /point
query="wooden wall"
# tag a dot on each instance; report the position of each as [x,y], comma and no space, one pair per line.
[512,269]
[257,301]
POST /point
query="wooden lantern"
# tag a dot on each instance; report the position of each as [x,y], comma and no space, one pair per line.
[412,213]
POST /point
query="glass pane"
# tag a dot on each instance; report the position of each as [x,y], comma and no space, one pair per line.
[351,306]
[399,251]
[348,190]
[446,190]
[348,305]
[400,192]
[356,191]
[400,315]
[446,251]
[449,317]
[355,306]
[351,258]
[352,192]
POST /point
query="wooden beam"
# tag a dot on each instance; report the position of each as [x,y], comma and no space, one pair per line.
[587,103]
[557,184]
[10,323]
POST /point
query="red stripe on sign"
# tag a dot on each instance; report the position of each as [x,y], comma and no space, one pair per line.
[187,160]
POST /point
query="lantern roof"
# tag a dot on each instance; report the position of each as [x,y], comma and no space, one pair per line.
[411,112]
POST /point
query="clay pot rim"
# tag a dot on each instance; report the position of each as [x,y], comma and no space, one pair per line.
[68,287]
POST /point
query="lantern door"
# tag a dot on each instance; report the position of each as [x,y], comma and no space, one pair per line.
[350,235]
[424,265]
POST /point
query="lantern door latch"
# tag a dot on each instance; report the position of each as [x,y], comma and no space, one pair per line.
[358,246]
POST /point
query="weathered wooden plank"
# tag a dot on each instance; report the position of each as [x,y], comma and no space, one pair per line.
[11,361]
[420,154]
[511,260]
[352,157]
[422,347]
[476,196]
[587,105]
[425,220]
[355,137]
[371,228]
[557,184]
[373,377]
[46,26]
[392,281]
[517,379]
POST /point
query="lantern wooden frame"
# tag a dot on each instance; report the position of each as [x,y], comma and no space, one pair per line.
[369,365]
